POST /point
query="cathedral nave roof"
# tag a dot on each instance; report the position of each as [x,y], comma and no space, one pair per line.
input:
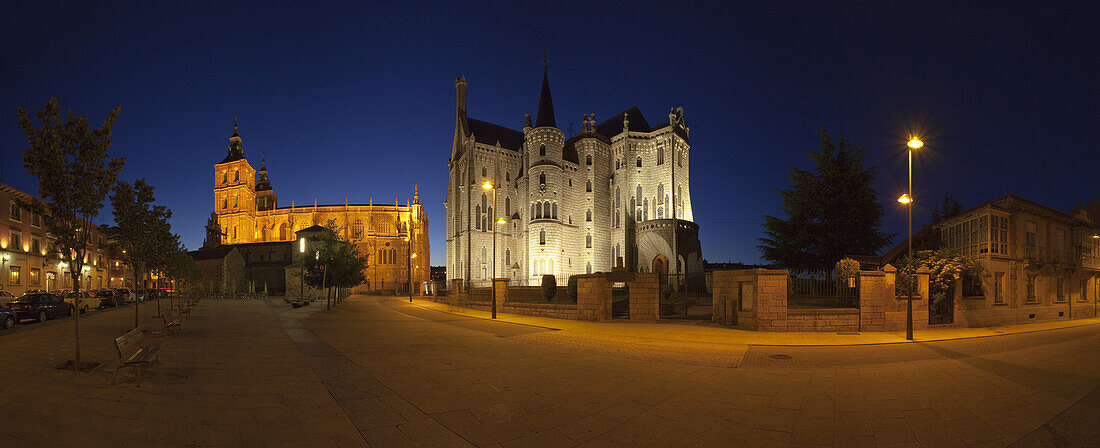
[490,134]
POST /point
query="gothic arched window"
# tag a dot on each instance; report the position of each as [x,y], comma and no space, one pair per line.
[588,159]
[588,215]
[542,150]
[588,241]
[618,197]
[507,256]
[225,177]
[282,232]
[357,229]
[660,155]
[542,237]
[236,175]
[542,178]
[555,214]
[477,217]
[661,194]
[588,268]
[639,161]
[532,210]
[546,210]
[645,209]
[507,206]
[393,255]
[588,186]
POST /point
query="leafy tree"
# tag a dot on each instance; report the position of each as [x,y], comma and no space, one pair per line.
[75,174]
[343,263]
[946,269]
[949,208]
[831,211]
[142,230]
[549,286]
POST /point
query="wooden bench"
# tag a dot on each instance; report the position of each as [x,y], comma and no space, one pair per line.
[171,324]
[134,352]
[184,311]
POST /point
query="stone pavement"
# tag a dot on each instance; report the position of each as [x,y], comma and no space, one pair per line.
[381,372]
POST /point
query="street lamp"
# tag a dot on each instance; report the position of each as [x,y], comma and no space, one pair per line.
[302,270]
[907,201]
[494,221]
[408,264]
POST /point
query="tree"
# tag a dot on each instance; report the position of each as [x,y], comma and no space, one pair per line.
[75,174]
[183,269]
[831,211]
[141,230]
[949,208]
[946,269]
[343,263]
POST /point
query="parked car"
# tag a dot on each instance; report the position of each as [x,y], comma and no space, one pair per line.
[8,318]
[142,294]
[40,306]
[126,295]
[88,300]
[6,297]
[107,298]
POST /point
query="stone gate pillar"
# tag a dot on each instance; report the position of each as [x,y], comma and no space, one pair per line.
[501,287]
[644,297]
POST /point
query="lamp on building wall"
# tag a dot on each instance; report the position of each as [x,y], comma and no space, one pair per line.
[907,200]
[489,186]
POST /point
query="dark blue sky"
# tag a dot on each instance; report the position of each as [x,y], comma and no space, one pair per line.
[357,101]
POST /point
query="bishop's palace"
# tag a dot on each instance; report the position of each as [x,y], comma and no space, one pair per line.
[615,194]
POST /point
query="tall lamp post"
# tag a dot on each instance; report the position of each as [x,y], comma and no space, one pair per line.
[302,271]
[408,267]
[494,220]
[907,200]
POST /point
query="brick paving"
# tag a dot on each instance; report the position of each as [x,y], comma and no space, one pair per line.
[381,372]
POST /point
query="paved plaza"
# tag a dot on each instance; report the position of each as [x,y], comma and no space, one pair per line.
[380,371]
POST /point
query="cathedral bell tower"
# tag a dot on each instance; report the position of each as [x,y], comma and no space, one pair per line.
[265,196]
[235,194]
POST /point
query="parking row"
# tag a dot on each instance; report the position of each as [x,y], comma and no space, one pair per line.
[40,306]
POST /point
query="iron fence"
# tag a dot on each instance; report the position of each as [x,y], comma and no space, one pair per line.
[686,296]
[822,293]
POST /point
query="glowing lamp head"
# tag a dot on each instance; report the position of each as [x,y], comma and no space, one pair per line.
[915,143]
[905,199]
[487,185]
[501,221]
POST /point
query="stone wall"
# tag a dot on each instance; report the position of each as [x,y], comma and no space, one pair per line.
[824,319]
[896,314]
[644,299]
[594,297]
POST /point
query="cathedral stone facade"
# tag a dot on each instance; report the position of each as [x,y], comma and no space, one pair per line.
[394,237]
[615,194]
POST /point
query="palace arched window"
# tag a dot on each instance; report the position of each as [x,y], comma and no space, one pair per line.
[532,210]
[484,171]
[507,256]
[588,268]
[618,197]
[661,194]
[542,150]
[546,210]
[236,201]
[680,158]
[660,155]
[588,159]
[225,203]
[282,232]
[225,177]
[588,186]
[542,237]
[477,217]
[393,255]
[588,215]
[645,209]
[555,214]
[236,175]
[639,163]
[542,178]
[588,241]
[488,224]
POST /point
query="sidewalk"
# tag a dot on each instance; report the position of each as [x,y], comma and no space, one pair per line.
[672,331]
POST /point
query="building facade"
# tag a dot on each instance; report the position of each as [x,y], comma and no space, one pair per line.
[28,261]
[617,193]
[1040,264]
[394,237]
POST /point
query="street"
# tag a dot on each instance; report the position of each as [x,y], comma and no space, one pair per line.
[379,371]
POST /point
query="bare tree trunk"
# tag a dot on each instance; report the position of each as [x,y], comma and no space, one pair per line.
[76,321]
[132,291]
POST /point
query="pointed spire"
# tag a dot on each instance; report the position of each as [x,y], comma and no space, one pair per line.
[235,134]
[545,115]
[416,193]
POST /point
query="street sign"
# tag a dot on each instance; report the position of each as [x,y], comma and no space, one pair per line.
[318,268]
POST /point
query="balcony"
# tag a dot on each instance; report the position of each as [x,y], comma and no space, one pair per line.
[1063,257]
[1034,254]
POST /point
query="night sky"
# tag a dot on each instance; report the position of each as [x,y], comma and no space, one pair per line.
[354,101]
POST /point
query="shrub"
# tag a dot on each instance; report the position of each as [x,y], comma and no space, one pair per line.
[571,286]
[846,268]
[549,287]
